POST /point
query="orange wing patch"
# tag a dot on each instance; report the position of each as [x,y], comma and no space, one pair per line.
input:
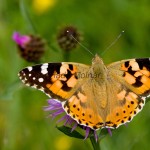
[63,81]
[122,114]
[83,115]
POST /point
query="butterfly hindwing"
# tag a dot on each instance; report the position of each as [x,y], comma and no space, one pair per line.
[83,106]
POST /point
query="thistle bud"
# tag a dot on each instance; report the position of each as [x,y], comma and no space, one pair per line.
[30,47]
[68,38]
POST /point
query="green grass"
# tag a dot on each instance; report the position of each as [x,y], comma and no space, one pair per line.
[23,123]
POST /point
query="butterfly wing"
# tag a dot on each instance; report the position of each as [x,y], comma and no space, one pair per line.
[134,78]
[87,104]
[57,80]
[133,73]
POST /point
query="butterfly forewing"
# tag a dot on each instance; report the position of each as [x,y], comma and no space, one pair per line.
[134,74]
[57,80]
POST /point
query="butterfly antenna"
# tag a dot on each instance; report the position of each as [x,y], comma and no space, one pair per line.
[80,43]
[118,37]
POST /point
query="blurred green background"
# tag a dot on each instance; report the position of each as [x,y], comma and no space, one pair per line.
[23,123]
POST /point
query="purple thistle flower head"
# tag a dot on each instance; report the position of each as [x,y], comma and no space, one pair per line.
[21,40]
[55,108]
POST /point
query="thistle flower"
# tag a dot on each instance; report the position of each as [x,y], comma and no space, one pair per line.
[55,108]
[30,47]
[67,38]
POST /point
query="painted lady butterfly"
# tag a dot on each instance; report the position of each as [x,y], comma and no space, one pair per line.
[96,96]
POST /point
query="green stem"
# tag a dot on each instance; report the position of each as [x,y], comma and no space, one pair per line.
[96,145]
[25,14]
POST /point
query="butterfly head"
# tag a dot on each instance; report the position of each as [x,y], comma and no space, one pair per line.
[98,69]
[97,60]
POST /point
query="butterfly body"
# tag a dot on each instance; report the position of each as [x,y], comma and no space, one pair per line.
[96,96]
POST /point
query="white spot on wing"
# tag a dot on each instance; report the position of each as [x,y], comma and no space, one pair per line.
[23,81]
[20,77]
[23,73]
[44,68]
[41,79]
[27,84]
[41,89]
[44,71]
[34,78]
[34,86]
[143,98]
[30,68]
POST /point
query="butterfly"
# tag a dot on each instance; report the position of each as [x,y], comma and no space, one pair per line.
[98,95]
